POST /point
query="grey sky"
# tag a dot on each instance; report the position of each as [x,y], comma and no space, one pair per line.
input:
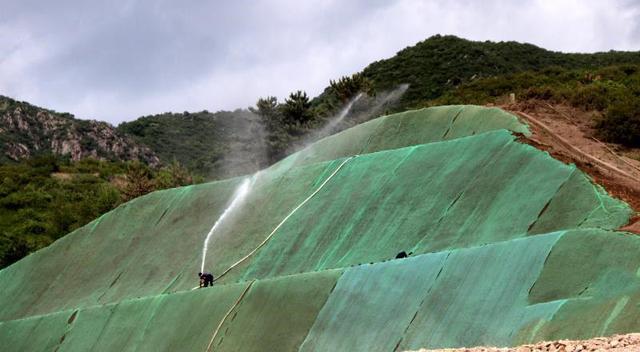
[118,60]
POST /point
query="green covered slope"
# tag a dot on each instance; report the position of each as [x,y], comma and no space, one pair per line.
[509,246]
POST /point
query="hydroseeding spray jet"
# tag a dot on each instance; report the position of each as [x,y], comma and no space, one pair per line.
[343,113]
[240,194]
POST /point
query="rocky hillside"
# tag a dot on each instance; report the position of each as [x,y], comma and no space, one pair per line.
[27,130]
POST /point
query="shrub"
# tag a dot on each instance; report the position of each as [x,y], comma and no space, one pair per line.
[621,122]
[595,96]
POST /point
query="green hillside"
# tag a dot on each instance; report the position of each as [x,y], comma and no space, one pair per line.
[306,259]
[214,145]
[441,63]
[613,91]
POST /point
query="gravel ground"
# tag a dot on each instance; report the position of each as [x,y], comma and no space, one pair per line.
[616,343]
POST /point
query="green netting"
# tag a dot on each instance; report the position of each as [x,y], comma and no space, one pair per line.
[596,273]
[372,305]
[26,281]
[450,180]
[41,333]
[408,125]
[136,250]
[406,129]
[87,328]
[476,119]
[276,314]
[580,197]
[125,325]
[482,298]
[563,285]
[178,322]
[426,198]
[198,313]
[423,198]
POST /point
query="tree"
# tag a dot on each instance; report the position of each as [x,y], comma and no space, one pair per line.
[621,123]
[345,88]
[139,181]
[278,137]
[267,109]
[173,175]
[12,249]
[297,109]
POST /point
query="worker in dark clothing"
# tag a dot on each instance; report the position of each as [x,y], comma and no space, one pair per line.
[403,254]
[206,279]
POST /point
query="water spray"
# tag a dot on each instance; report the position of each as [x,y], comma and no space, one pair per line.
[240,194]
[287,218]
[343,113]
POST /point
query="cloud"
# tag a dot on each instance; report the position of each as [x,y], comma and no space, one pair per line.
[117,61]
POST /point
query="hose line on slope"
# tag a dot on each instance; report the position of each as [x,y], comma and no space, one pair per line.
[215,332]
[285,219]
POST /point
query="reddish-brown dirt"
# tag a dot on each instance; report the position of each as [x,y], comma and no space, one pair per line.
[568,135]
[616,343]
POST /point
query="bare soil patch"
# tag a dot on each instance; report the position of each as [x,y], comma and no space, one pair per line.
[568,135]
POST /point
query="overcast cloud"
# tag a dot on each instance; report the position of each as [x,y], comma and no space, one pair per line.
[118,60]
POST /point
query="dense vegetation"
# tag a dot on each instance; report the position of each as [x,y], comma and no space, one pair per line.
[46,197]
[612,90]
[441,63]
[213,145]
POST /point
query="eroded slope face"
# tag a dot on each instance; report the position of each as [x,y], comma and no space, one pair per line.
[449,184]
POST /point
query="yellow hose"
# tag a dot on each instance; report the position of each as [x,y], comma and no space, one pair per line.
[215,332]
[286,218]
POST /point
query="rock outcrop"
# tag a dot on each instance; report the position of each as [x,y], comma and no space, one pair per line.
[26,130]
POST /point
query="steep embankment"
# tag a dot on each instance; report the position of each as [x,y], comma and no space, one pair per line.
[569,135]
[509,246]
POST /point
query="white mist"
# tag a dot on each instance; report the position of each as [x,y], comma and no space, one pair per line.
[240,194]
